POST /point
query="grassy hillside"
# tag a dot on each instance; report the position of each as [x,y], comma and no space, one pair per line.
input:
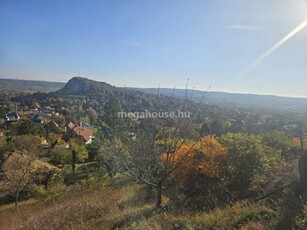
[120,206]
[107,208]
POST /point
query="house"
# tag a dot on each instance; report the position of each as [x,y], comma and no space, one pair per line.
[87,125]
[38,119]
[71,125]
[132,136]
[85,133]
[62,146]
[290,127]
[55,124]
[45,113]
[12,117]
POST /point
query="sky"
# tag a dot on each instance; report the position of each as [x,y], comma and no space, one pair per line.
[244,46]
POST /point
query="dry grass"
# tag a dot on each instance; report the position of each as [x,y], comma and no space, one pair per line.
[80,209]
[124,208]
[239,216]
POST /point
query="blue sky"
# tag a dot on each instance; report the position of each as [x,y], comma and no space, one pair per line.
[157,42]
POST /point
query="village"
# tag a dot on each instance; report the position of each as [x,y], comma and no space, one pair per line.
[49,116]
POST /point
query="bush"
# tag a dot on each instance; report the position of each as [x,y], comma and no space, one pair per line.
[301,220]
[54,189]
[251,164]
[60,156]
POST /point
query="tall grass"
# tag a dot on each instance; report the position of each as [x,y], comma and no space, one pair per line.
[125,207]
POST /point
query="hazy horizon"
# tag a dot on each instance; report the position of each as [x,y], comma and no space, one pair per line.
[237,47]
[177,88]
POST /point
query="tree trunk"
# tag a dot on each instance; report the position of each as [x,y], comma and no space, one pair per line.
[303,171]
[73,162]
[148,195]
[16,200]
[159,195]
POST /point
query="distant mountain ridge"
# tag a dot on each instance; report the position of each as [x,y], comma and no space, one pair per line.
[233,99]
[29,85]
[86,87]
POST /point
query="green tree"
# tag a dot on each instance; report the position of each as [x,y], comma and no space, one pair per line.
[51,127]
[92,115]
[29,127]
[206,128]
[94,148]
[249,163]
[79,154]
[60,156]
[110,124]
[220,126]
[279,141]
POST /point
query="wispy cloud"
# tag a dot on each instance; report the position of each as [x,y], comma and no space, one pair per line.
[242,28]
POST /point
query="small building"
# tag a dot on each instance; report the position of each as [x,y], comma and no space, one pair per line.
[45,113]
[87,125]
[71,125]
[12,117]
[85,133]
[38,119]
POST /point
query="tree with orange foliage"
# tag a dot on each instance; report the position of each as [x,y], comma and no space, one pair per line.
[206,157]
[200,174]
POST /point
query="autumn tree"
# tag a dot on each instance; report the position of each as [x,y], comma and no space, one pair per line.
[20,172]
[146,148]
[55,139]
[205,157]
[148,154]
[201,173]
[29,143]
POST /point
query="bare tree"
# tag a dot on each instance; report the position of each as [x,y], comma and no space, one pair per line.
[147,151]
[18,170]
[150,157]
[22,170]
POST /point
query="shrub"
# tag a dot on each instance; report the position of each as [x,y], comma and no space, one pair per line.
[60,156]
[54,189]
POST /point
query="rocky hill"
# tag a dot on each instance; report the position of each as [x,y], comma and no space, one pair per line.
[84,86]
